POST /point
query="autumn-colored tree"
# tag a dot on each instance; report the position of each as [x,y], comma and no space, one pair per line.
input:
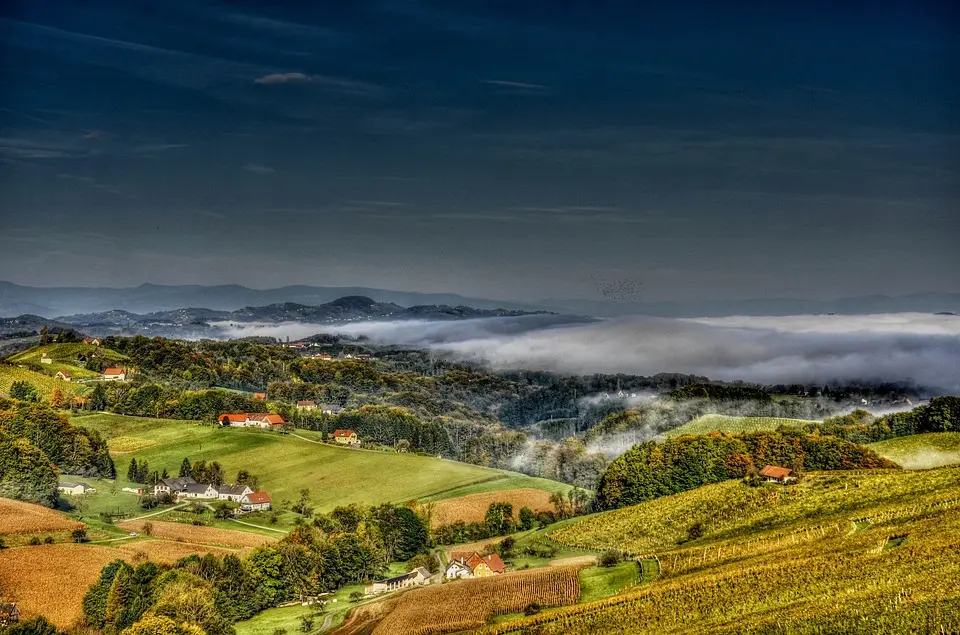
[57,398]
[160,625]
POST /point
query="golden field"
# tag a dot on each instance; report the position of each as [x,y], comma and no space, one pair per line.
[198,535]
[473,507]
[17,517]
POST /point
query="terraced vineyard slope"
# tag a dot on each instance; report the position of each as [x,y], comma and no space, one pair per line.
[921,451]
[734,425]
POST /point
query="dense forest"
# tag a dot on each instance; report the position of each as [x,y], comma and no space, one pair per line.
[37,442]
[941,414]
[651,470]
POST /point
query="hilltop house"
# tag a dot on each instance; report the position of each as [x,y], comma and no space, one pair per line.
[251,420]
[64,375]
[92,340]
[477,565]
[9,614]
[346,437]
[330,409]
[233,492]
[260,395]
[173,486]
[306,405]
[45,360]
[417,577]
[114,374]
[776,474]
[255,501]
[75,489]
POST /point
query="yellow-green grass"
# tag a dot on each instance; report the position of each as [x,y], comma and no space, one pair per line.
[921,451]
[286,464]
[852,552]
[65,353]
[10,373]
[734,425]
[600,582]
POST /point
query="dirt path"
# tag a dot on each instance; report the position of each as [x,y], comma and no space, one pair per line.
[279,531]
[162,511]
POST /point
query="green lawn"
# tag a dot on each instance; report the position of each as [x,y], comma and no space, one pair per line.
[921,451]
[734,425]
[600,582]
[285,464]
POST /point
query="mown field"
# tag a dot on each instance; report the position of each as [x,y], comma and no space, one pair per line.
[921,451]
[853,552]
[195,534]
[473,507]
[734,425]
[286,464]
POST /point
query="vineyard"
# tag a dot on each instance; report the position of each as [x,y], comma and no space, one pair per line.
[879,556]
[734,425]
[921,451]
[469,604]
[197,535]
[43,383]
[17,517]
[473,507]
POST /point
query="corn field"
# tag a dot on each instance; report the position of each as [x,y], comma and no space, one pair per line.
[17,517]
[469,604]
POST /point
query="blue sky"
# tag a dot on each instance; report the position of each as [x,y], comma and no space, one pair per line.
[503,149]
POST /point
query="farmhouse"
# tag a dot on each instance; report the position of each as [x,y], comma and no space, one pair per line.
[417,577]
[233,492]
[199,490]
[478,566]
[255,501]
[457,570]
[260,395]
[9,614]
[92,340]
[346,437]
[776,474]
[75,489]
[251,420]
[64,375]
[306,405]
[173,486]
[330,409]
[114,374]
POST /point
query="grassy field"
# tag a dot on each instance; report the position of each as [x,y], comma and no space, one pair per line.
[852,552]
[921,451]
[285,463]
[734,425]
[65,356]
[599,582]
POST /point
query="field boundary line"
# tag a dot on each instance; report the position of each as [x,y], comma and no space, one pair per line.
[279,531]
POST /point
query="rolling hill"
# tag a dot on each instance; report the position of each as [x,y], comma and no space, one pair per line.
[921,451]
[286,463]
[852,552]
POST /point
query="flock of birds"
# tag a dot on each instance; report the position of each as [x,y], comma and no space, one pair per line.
[622,289]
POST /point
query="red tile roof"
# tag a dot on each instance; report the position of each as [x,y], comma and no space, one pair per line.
[773,471]
[462,556]
[113,371]
[257,497]
[495,563]
[344,433]
[307,402]
[259,395]
[233,418]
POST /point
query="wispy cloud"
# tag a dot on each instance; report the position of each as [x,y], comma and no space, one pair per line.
[508,84]
[283,78]
[339,84]
[256,168]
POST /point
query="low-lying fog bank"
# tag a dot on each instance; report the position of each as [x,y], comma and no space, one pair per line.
[903,347]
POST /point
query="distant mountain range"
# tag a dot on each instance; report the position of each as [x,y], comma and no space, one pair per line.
[159,301]
[202,322]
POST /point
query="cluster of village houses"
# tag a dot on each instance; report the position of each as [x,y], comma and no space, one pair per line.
[265,420]
[182,487]
[462,565]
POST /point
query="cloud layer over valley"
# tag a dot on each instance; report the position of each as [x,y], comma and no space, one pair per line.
[907,347]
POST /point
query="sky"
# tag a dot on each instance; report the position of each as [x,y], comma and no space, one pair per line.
[509,150]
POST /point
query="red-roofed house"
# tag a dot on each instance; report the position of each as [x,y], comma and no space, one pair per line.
[470,564]
[260,395]
[495,564]
[346,437]
[91,340]
[306,404]
[64,375]
[776,474]
[257,501]
[114,374]
[251,420]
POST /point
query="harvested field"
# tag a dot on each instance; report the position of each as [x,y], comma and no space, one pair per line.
[17,517]
[123,445]
[59,576]
[364,619]
[473,507]
[198,535]
[169,551]
[469,604]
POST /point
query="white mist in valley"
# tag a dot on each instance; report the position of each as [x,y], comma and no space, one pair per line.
[897,348]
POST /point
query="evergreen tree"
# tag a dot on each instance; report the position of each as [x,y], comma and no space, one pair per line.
[133,472]
[98,400]
[164,474]
[185,469]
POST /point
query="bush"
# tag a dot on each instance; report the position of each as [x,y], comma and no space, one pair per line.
[147,528]
[532,609]
[79,535]
[505,548]
[356,596]
[48,540]
[696,530]
[34,540]
[610,558]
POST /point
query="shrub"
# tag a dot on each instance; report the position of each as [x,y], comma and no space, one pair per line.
[610,558]
[48,540]
[532,609]
[34,540]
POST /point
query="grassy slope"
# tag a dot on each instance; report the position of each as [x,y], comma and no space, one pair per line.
[44,384]
[285,464]
[921,451]
[810,558]
[735,425]
[64,357]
